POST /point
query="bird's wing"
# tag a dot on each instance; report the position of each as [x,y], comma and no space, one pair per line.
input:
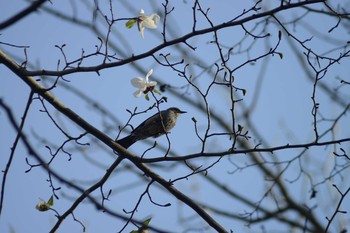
[150,125]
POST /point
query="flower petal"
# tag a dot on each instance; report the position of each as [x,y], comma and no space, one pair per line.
[141,29]
[152,84]
[137,93]
[149,74]
[151,21]
[42,206]
[138,82]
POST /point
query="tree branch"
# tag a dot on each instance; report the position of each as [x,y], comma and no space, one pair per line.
[37,88]
[20,15]
[179,40]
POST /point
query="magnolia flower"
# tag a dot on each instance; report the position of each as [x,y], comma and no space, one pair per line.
[42,206]
[149,21]
[143,85]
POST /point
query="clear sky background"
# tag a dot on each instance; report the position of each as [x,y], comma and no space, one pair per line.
[278,91]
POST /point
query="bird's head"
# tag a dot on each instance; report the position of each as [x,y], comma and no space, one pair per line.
[176,110]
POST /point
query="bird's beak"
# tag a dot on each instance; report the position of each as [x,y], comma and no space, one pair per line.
[182,112]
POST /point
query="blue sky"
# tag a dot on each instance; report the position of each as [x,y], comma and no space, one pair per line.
[278,92]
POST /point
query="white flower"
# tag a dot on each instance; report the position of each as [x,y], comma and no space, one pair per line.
[143,85]
[149,21]
[42,206]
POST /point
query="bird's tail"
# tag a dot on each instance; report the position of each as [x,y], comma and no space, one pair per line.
[127,141]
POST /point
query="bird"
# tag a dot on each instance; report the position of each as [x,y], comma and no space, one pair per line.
[152,127]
